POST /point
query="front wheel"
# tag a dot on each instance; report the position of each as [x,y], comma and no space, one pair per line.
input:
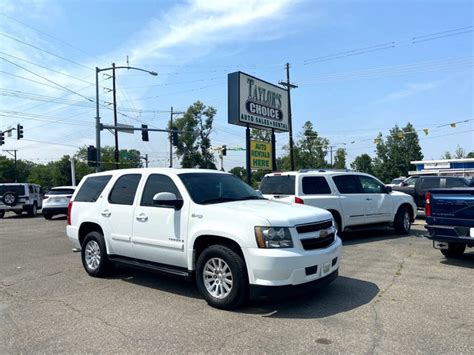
[455,250]
[94,255]
[221,277]
[33,211]
[402,221]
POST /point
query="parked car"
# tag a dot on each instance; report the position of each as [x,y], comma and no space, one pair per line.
[450,220]
[204,223]
[56,200]
[354,199]
[19,198]
[397,181]
[418,186]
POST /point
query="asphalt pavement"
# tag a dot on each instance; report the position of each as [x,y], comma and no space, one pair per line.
[395,294]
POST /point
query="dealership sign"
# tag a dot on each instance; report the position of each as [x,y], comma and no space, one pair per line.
[256,103]
[260,155]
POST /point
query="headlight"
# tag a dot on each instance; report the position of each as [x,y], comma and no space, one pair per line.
[273,237]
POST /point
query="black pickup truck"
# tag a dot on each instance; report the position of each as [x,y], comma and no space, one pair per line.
[450,220]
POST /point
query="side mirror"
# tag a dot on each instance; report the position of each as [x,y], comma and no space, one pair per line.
[167,199]
[388,189]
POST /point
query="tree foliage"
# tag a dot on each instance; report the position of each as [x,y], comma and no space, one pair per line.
[395,152]
[363,163]
[193,146]
[340,159]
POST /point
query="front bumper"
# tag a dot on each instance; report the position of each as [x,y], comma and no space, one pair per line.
[283,267]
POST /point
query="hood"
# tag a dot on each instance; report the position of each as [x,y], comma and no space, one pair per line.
[276,213]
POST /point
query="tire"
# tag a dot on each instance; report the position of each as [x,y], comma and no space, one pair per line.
[337,222]
[10,198]
[402,223]
[33,211]
[47,216]
[18,213]
[94,255]
[221,291]
[2,213]
[455,250]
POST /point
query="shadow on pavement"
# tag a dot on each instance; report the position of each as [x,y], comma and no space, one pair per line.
[377,234]
[343,295]
[467,260]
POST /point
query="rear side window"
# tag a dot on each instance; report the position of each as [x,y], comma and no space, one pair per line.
[92,188]
[430,183]
[278,185]
[456,182]
[315,185]
[348,184]
[157,183]
[123,192]
[30,188]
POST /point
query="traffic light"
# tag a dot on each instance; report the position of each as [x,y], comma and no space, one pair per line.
[145,133]
[2,138]
[19,131]
[224,150]
[174,137]
[91,156]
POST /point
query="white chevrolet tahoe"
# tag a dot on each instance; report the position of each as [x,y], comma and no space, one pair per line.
[354,199]
[204,223]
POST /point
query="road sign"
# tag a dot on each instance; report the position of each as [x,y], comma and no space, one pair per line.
[125,128]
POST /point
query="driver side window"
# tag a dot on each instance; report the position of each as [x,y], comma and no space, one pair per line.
[157,183]
[370,185]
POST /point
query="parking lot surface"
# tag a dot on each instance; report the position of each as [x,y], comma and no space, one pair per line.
[395,294]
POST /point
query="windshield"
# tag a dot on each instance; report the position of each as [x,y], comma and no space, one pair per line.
[207,188]
[17,189]
[397,181]
[60,192]
[278,185]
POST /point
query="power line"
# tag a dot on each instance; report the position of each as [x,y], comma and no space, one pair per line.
[45,51]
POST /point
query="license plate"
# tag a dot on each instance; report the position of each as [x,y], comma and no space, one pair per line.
[326,268]
[471,232]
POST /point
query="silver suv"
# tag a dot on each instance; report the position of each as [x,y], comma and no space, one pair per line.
[19,198]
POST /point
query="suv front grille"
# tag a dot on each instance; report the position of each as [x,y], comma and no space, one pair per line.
[314,227]
[318,243]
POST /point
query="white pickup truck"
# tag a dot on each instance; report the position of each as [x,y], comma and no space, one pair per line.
[201,223]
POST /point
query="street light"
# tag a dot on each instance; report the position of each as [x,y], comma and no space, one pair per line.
[97,117]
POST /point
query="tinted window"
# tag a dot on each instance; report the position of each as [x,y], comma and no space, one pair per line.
[157,183]
[348,184]
[410,181]
[30,188]
[18,189]
[430,183]
[123,192]
[60,192]
[450,182]
[92,188]
[370,185]
[278,185]
[207,188]
[315,185]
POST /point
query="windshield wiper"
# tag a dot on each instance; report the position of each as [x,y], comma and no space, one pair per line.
[218,200]
[250,198]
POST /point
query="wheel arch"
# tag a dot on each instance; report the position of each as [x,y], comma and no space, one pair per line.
[86,228]
[205,240]
[338,217]
[409,208]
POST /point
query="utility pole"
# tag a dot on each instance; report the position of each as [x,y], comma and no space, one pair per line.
[330,153]
[97,120]
[114,92]
[289,86]
[14,156]
[171,135]
[73,171]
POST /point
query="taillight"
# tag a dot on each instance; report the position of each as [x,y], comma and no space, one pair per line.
[299,200]
[69,209]
[428,204]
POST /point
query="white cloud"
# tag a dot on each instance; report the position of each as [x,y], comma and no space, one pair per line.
[408,91]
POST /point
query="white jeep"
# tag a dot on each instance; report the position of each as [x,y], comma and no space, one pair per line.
[354,199]
[201,223]
[19,198]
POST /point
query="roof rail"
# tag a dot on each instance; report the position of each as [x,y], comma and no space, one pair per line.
[324,170]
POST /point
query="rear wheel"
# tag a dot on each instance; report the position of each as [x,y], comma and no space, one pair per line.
[455,250]
[94,255]
[402,221]
[221,277]
[47,216]
[2,213]
[33,211]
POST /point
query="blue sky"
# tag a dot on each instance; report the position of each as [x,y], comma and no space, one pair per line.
[411,69]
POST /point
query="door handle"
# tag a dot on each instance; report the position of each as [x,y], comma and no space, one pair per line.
[368,199]
[142,217]
[106,213]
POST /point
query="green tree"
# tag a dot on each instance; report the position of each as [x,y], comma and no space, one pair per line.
[459,153]
[129,158]
[239,171]
[470,155]
[312,149]
[340,159]
[193,146]
[395,153]
[262,135]
[446,155]
[363,163]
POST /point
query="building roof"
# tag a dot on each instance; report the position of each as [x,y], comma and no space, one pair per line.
[462,160]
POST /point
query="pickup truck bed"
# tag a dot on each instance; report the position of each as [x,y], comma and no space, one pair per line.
[450,219]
